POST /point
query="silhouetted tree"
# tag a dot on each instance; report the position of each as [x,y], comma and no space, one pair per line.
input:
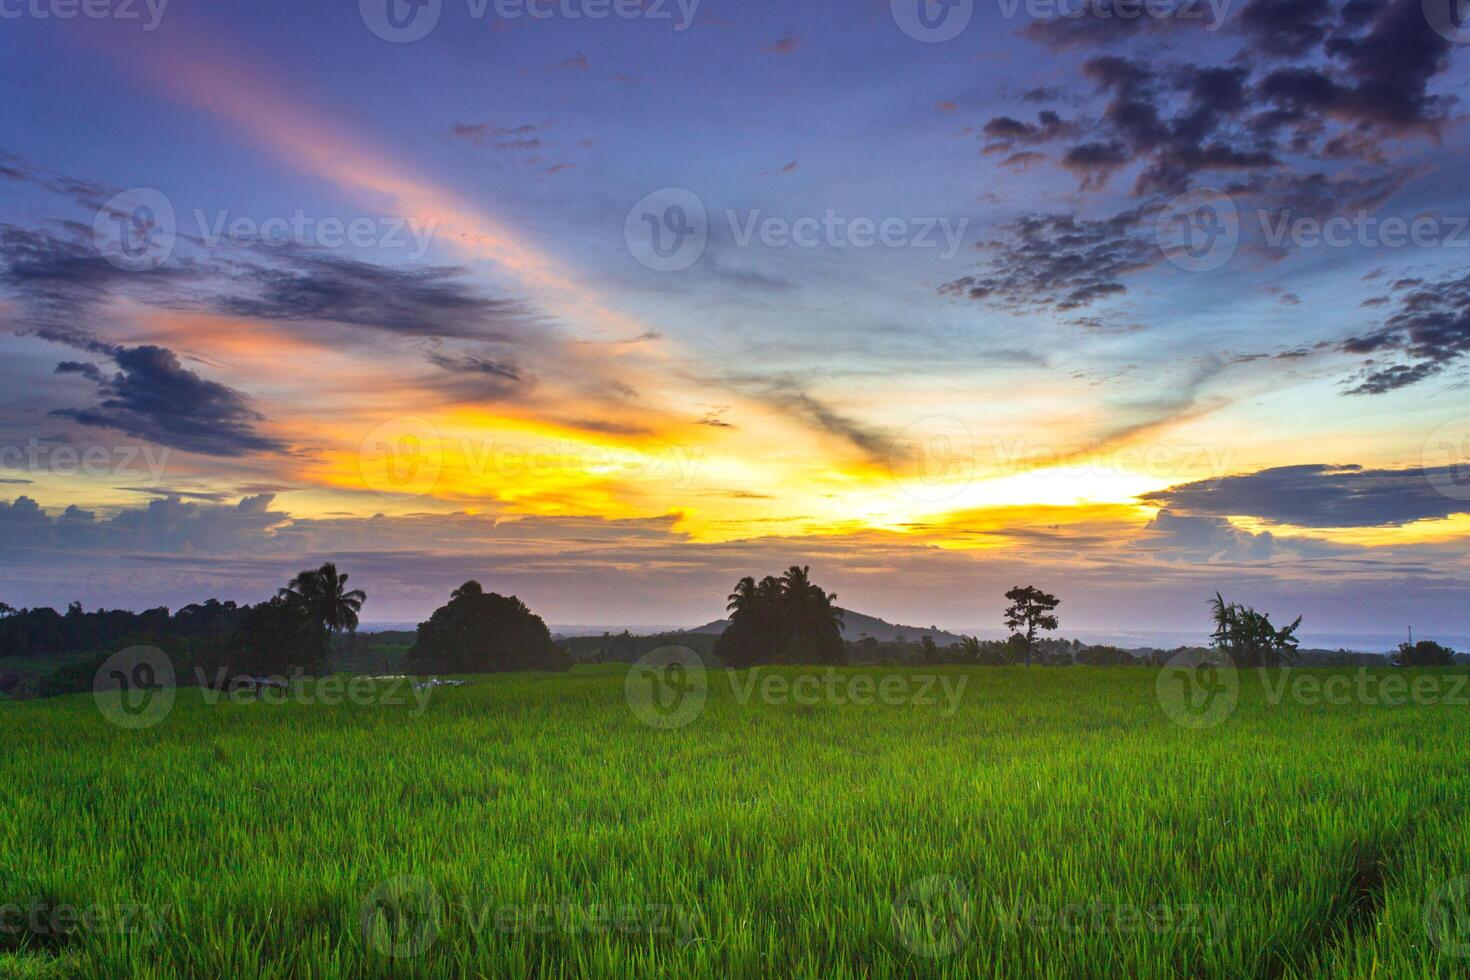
[786,619]
[481,632]
[1031,610]
[1425,653]
[323,593]
[1248,636]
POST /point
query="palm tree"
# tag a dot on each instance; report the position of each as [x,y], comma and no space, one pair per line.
[323,592]
[744,598]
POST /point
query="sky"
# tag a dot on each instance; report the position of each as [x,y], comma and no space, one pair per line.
[608,303]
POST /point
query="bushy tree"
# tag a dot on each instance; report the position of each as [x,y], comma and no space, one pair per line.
[1030,610]
[781,620]
[1425,653]
[1248,636]
[481,632]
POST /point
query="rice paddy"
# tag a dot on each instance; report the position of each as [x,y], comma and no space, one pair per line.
[1043,822]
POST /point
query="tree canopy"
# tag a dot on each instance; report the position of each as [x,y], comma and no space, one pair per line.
[480,632]
[782,620]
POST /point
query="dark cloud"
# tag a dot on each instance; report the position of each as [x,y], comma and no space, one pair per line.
[483,377]
[1431,327]
[1060,260]
[1318,495]
[153,397]
[1360,72]
[430,302]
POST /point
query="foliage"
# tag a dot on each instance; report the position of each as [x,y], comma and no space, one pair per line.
[1030,610]
[783,835]
[1425,653]
[1248,636]
[481,632]
[323,593]
[782,620]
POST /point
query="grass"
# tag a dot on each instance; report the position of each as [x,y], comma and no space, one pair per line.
[1056,824]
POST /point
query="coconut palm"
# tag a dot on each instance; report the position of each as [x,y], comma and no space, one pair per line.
[323,592]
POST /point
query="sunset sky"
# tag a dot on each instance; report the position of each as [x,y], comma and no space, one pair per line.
[909,317]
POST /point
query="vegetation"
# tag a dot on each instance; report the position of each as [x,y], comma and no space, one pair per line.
[481,632]
[1425,653]
[1030,610]
[782,620]
[323,594]
[1092,836]
[1248,636]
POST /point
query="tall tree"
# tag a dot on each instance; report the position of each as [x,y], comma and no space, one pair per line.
[1030,610]
[1248,636]
[323,592]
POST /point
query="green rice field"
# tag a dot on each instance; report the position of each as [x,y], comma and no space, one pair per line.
[992,822]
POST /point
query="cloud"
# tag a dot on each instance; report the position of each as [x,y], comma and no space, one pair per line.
[428,302]
[153,397]
[1318,495]
[1431,326]
[1360,73]
[1059,260]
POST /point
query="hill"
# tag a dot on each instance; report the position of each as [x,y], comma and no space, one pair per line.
[855,626]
